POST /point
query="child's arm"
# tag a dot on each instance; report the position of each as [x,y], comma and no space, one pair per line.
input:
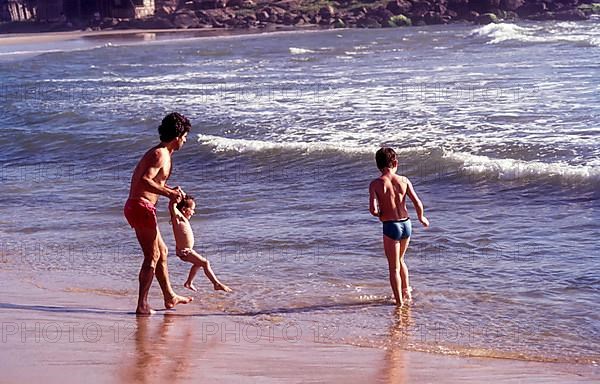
[175,214]
[417,203]
[373,204]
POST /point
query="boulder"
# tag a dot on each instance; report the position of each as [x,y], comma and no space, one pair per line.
[529,9]
[590,9]
[420,8]
[339,23]
[472,16]
[570,15]
[399,7]
[368,22]
[432,18]
[401,21]
[511,5]
[185,21]
[486,18]
[327,12]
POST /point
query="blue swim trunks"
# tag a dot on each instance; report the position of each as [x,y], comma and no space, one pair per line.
[397,230]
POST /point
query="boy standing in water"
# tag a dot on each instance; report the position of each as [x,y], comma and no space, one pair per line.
[387,201]
[181,212]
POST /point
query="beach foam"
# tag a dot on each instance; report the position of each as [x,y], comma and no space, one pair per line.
[561,33]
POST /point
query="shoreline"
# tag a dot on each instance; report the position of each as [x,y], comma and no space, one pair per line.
[51,37]
[82,333]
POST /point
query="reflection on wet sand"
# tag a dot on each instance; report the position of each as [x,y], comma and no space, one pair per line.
[163,350]
[395,363]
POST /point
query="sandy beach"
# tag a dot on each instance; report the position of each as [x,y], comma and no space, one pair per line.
[140,34]
[56,336]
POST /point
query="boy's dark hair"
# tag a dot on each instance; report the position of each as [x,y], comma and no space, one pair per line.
[172,126]
[385,157]
[186,202]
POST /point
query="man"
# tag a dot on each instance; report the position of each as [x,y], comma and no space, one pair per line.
[147,184]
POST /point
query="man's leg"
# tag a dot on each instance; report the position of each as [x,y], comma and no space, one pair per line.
[404,270]
[392,252]
[147,237]
[162,275]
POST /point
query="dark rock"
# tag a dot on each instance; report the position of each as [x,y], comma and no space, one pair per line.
[368,22]
[432,18]
[420,8]
[327,12]
[472,16]
[185,21]
[486,18]
[554,6]
[570,15]
[263,16]
[529,9]
[399,7]
[440,8]
[511,5]
[339,23]
[450,13]
[359,11]
[288,18]
[589,9]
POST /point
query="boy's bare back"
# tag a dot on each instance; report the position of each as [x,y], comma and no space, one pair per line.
[388,196]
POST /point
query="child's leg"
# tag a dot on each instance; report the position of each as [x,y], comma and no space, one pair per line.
[199,261]
[392,252]
[189,283]
[404,270]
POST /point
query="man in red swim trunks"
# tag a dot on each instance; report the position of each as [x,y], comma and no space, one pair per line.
[147,183]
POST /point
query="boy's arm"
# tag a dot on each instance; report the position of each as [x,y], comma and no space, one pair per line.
[175,214]
[417,203]
[373,205]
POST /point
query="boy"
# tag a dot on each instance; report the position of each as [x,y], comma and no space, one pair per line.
[181,212]
[387,200]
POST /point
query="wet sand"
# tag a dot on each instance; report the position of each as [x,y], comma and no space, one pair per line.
[53,335]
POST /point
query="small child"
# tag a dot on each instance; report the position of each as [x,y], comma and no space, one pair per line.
[387,201]
[181,212]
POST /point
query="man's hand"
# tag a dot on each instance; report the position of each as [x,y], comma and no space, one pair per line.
[424,221]
[177,194]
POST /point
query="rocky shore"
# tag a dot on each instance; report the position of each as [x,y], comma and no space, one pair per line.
[273,14]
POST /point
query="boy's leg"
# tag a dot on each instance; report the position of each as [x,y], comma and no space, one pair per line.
[189,283]
[392,252]
[199,261]
[404,269]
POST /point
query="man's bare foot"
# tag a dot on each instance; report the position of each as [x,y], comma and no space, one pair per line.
[146,311]
[191,286]
[222,287]
[173,301]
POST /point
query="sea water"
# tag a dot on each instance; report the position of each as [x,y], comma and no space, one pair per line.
[496,126]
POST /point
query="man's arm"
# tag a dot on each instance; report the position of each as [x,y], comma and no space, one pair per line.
[373,204]
[417,203]
[157,161]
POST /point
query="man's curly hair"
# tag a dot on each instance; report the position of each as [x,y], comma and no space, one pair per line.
[174,125]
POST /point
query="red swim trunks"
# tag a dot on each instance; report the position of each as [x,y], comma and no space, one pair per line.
[140,213]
